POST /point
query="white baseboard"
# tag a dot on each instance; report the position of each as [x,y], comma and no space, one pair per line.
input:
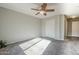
[73,35]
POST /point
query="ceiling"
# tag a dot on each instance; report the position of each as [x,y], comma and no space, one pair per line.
[60,8]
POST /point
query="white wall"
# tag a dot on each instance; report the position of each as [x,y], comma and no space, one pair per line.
[49,28]
[75,28]
[61,26]
[53,27]
[16,26]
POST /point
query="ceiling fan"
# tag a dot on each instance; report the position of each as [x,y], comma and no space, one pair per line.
[43,9]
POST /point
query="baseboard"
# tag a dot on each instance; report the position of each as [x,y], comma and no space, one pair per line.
[18,42]
[73,36]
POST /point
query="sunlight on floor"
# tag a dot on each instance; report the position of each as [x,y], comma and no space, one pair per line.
[35,49]
[29,43]
[38,48]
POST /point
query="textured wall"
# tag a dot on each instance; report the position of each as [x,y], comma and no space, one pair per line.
[75,28]
[15,26]
[53,27]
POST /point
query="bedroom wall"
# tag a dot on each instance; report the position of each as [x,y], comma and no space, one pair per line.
[15,26]
[53,27]
[75,28]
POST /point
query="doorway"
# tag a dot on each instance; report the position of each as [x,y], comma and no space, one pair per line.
[71,28]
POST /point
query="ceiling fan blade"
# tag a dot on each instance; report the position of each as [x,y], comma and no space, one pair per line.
[35,9]
[37,13]
[43,6]
[50,10]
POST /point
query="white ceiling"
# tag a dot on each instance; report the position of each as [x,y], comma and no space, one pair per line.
[60,8]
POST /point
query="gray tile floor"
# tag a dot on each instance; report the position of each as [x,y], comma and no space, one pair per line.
[56,47]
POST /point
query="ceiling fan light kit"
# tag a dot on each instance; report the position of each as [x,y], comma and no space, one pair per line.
[41,12]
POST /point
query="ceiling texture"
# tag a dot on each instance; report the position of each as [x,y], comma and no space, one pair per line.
[60,8]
